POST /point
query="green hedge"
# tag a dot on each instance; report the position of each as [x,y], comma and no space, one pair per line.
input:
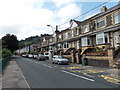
[5,53]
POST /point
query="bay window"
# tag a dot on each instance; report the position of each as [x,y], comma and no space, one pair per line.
[65,45]
[100,23]
[85,41]
[59,46]
[102,38]
[50,47]
[116,17]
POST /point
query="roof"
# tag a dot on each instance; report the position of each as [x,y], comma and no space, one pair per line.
[101,14]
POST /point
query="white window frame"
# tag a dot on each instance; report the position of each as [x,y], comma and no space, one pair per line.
[72,33]
[100,20]
[50,47]
[116,16]
[66,35]
[85,28]
[102,36]
[66,44]
[60,36]
[50,39]
[77,31]
[77,43]
[84,41]
[59,46]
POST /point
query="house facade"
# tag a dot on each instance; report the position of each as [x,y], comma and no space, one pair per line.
[98,38]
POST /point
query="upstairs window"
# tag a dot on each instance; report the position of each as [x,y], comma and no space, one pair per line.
[117,17]
[60,37]
[85,41]
[66,35]
[72,33]
[85,29]
[78,30]
[100,23]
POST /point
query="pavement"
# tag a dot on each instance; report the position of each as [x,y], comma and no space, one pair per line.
[13,76]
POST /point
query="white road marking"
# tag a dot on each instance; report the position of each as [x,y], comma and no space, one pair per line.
[77,75]
[47,66]
[24,78]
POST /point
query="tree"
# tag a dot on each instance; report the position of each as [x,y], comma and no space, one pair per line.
[10,42]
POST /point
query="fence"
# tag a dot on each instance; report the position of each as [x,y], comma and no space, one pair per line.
[3,63]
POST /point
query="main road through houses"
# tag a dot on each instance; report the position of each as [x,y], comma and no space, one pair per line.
[44,74]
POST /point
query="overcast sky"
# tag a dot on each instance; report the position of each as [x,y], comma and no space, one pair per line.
[25,18]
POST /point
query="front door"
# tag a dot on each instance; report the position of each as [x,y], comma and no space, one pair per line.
[115,39]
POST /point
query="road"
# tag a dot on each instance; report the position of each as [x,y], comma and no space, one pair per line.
[42,74]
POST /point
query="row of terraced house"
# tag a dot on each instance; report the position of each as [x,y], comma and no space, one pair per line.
[96,38]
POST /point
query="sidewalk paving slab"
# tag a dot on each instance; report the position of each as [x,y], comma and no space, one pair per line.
[13,77]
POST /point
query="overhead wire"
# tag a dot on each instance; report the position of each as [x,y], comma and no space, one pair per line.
[86,12]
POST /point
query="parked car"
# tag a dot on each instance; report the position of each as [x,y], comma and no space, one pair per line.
[59,60]
[35,56]
[30,56]
[46,54]
[24,55]
[41,57]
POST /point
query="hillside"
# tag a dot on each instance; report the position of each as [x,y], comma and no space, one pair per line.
[31,40]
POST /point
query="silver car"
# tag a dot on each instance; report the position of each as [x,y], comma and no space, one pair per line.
[59,60]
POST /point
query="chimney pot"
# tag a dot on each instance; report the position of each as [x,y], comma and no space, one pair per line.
[103,9]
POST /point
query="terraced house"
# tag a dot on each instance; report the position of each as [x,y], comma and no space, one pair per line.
[96,38]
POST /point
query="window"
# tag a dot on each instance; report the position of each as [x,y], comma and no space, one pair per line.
[101,23]
[93,26]
[85,28]
[77,32]
[72,33]
[59,46]
[116,17]
[51,40]
[102,38]
[66,35]
[60,37]
[77,44]
[65,45]
[85,41]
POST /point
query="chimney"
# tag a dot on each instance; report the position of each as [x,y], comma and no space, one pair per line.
[103,9]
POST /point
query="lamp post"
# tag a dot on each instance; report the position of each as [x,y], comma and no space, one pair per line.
[56,34]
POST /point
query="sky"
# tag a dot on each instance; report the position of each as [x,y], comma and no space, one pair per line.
[25,18]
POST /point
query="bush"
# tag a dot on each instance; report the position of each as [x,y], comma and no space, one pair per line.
[5,53]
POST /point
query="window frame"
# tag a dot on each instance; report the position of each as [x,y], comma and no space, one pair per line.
[87,27]
[100,20]
[116,15]
[84,41]
[102,35]
[65,45]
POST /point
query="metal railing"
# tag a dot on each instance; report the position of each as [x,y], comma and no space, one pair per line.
[3,63]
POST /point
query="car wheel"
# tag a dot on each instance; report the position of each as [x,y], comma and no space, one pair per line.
[59,63]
